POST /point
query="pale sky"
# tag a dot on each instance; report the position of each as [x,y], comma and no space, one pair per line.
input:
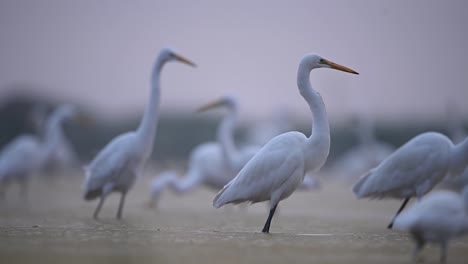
[411,55]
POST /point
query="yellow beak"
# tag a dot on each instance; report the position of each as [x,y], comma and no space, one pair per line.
[214,104]
[336,66]
[185,60]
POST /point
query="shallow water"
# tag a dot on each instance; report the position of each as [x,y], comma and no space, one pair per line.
[54,225]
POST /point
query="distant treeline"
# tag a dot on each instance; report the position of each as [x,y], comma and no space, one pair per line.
[178,134]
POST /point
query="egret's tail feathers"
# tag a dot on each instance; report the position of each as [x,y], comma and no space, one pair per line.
[218,201]
[358,188]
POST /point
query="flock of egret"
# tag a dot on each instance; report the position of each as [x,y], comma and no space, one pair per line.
[265,172]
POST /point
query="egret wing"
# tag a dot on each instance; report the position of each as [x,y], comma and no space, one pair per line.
[266,172]
[406,168]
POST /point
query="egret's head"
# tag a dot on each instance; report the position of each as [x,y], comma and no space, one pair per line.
[168,54]
[313,61]
[226,101]
[70,112]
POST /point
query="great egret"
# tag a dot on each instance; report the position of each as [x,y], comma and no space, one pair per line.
[28,154]
[279,167]
[367,154]
[414,168]
[437,218]
[235,157]
[212,164]
[117,165]
[457,133]
[61,152]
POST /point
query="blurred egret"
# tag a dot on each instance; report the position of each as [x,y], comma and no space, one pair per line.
[367,154]
[212,164]
[414,168]
[27,154]
[117,165]
[437,218]
[279,167]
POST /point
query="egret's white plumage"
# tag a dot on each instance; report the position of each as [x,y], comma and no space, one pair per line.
[414,168]
[116,167]
[28,154]
[437,218]
[61,154]
[279,167]
[212,164]
[457,134]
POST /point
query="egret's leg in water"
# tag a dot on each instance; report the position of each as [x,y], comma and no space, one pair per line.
[266,228]
[121,204]
[399,211]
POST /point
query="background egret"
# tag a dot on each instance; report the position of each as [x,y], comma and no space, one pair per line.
[437,218]
[117,165]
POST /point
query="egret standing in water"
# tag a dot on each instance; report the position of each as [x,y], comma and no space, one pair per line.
[279,167]
[212,164]
[414,169]
[116,167]
[437,218]
[28,154]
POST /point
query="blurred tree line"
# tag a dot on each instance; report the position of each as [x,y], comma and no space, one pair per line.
[178,134]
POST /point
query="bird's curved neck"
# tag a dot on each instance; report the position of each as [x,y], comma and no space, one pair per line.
[226,136]
[53,132]
[320,136]
[148,125]
[459,159]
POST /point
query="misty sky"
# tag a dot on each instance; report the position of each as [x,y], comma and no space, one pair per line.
[411,55]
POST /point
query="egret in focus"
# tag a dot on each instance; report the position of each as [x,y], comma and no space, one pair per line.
[279,167]
[212,164]
[28,154]
[117,165]
[414,169]
[437,218]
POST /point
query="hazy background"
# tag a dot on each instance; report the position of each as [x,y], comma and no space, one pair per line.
[411,56]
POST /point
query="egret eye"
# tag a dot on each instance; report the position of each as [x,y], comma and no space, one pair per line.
[322,61]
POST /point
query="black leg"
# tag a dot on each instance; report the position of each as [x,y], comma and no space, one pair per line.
[98,208]
[399,211]
[121,204]
[266,228]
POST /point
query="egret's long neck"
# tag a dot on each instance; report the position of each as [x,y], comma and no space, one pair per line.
[147,129]
[319,141]
[459,158]
[226,136]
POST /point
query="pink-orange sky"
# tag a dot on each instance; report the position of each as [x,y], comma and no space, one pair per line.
[411,55]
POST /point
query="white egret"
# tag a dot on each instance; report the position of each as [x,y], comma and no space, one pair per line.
[367,154]
[28,154]
[117,165]
[206,166]
[457,133]
[234,157]
[61,152]
[279,167]
[437,218]
[414,168]
[212,164]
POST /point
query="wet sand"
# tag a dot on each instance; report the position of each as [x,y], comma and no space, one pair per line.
[54,225]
